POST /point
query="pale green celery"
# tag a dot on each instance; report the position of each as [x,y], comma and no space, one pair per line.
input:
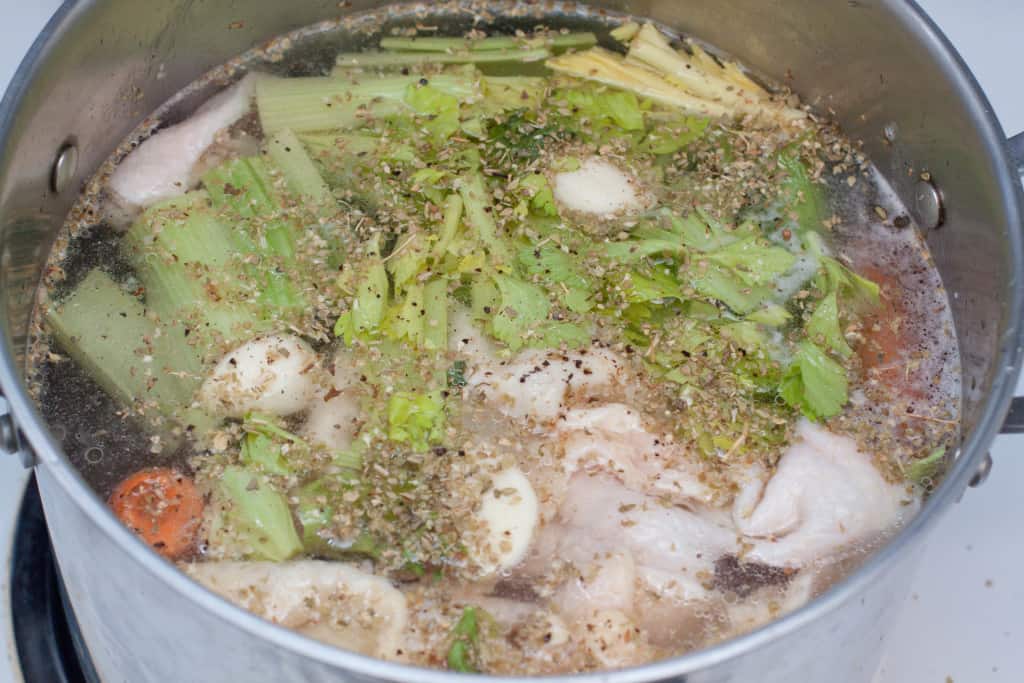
[399,59]
[106,331]
[450,227]
[485,299]
[245,185]
[328,103]
[262,452]
[371,299]
[555,41]
[315,514]
[523,311]
[404,322]
[289,155]
[772,315]
[477,203]
[416,419]
[824,325]
[625,32]
[718,283]
[188,261]
[186,227]
[335,142]
[435,318]
[260,515]
[924,471]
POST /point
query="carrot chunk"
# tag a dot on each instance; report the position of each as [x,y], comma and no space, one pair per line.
[163,507]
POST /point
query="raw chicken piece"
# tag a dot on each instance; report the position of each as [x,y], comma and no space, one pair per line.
[602,582]
[614,640]
[334,416]
[824,497]
[613,438]
[162,166]
[329,601]
[673,548]
[539,385]
[598,188]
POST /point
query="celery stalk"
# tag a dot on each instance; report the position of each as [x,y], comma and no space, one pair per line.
[450,227]
[189,262]
[477,202]
[435,318]
[328,103]
[288,154]
[555,41]
[106,331]
[246,186]
[260,515]
[371,60]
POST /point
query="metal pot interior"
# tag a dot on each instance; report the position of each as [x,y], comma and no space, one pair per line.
[885,72]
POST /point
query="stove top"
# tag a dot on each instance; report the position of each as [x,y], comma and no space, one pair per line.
[47,639]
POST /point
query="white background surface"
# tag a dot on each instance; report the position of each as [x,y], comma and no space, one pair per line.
[965,619]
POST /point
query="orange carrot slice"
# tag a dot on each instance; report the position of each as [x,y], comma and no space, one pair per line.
[163,507]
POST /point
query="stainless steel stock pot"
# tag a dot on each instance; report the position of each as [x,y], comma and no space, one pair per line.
[881,66]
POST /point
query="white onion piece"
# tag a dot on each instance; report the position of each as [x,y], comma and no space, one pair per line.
[276,374]
[162,166]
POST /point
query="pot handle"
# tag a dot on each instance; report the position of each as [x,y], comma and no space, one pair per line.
[10,439]
[1014,422]
[1016,147]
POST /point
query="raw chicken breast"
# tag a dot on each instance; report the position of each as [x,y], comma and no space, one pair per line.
[162,166]
[825,496]
[672,547]
[330,601]
[539,385]
[613,438]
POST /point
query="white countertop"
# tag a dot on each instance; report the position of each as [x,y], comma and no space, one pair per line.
[965,619]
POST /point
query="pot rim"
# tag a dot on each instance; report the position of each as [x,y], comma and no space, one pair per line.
[918,26]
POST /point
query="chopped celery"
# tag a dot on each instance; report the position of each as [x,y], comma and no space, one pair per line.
[416,419]
[477,202]
[264,453]
[260,515]
[772,315]
[404,321]
[718,283]
[824,324]
[245,185]
[333,102]
[753,260]
[814,383]
[926,470]
[465,642]
[524,306]
[450,227]
[371,300]
[440,110]
[435,314]
[106,331]
[800,195]
[559,270]
[289,155]
[315,513]
[372,60]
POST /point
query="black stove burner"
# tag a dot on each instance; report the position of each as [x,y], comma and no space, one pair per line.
[50,647]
